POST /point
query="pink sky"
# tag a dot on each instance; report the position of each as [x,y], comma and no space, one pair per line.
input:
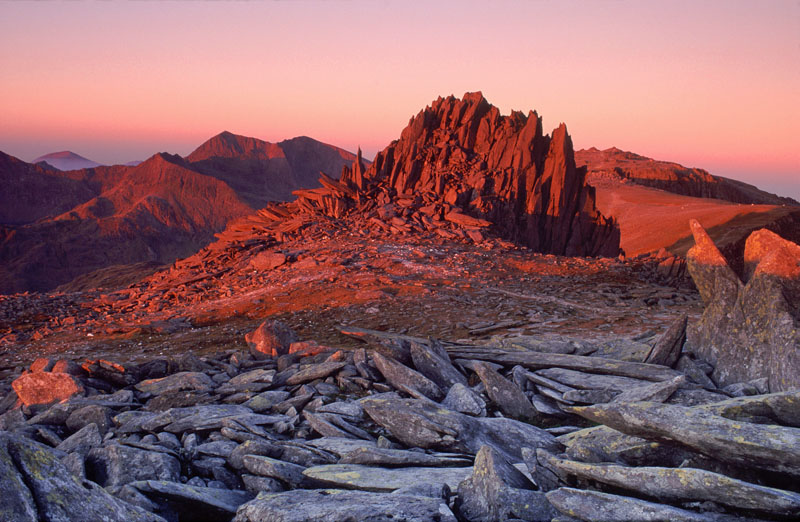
[714,85]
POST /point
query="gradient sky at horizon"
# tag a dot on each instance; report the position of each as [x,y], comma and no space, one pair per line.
[712,84]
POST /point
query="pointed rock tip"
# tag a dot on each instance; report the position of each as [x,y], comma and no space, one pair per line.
[704,249]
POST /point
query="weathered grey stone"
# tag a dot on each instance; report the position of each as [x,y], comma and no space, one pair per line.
[207,411]
[339,446]
[367,478]
[403,378]
[82,440]
[655,392]
[683,484]
[314,372]
[330,425]
[496,490]
[594,505]
[259,375]
[462,399]
[780,408]
[425,425]
[373,456]
[667,348]
[251,447]
[291,474]
[352,409]
[193,502]
[218,448]
[256,484]
[507,395]
[438,491]
[53,493]
[590,381]
[338,505]
[433,362]
[774,448]
[760,318]
[92,414]
[76,465]
[264,401]
[603,444]
[116,465]
[180,381]
[17,503]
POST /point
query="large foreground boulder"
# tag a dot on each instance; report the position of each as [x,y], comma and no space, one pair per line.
[750,329]
[34,485]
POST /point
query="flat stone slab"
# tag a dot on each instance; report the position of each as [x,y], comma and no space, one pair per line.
[367,478]
[211,502]
[332,505]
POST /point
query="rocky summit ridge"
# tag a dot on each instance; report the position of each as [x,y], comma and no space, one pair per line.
[499,168]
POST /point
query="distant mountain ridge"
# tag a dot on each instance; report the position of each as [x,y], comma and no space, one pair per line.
[55,226]
[66,160]
[616,165]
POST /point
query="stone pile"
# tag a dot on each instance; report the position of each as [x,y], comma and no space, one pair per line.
[402,429]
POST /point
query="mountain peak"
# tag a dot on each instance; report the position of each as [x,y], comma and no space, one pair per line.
[66,160]
[229,145]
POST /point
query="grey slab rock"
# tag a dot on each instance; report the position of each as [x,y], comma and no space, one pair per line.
[373,456]
[780,408]
[604,507]
[350,409]
[401,377]
[688,366]
[291,474]
[667,348]
[195,503]
[219,448]
[655,392]
[603,444]
[314,372]
[172,415]
[18,503]
[435,364]
[462,399]
[589,381]
[438,491]
[82,440]
[496,490]
[774,448]
[116,465]
[180,381]
[368,478]
[99,415]
[340,505]
[251,447]
[683,484]
[256,484]
[55,493]
[505,394]
[76,464]
[264,401]
[259,375]
[339,446]
[426,425]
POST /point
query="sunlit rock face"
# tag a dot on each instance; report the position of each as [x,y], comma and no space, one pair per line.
[750,329]
[499,168]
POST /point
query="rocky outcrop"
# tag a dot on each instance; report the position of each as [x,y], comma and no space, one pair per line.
[501,169]
[618,166]
[750,329]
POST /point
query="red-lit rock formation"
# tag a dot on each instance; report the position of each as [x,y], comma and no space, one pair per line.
[750,329]
[498,168]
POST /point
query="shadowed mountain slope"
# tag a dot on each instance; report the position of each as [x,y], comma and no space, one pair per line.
[55,226]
